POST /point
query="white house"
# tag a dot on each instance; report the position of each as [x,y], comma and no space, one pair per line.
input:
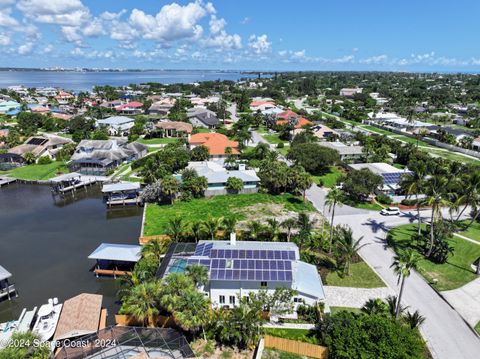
[117,125]
[236,268]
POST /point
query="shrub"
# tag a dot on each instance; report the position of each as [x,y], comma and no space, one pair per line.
[383,199]
[409,202]
[281,145]
[44,160]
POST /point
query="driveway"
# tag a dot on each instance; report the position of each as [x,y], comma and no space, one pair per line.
[466,300]
[353,297]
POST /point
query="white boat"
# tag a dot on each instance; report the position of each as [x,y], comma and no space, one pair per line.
[47,319]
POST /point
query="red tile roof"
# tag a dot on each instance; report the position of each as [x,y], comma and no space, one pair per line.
[129,105]
[301,122]
[287,114]
[215,142]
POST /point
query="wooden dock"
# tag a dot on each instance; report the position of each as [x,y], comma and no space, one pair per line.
[124,202]
[76,186]
[111,272]
[5,181]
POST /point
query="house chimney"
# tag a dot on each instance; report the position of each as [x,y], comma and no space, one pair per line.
[233,238]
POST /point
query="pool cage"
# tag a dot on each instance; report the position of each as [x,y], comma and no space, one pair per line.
[128,342]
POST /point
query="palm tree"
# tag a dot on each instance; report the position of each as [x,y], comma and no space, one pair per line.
[392,301]
[155,249]
[175,228]
[288,224]
[169,187]
[303,181]
[413,184]
[435,191]
[194,312]
[305,226]
[375,306]
[348,246]
[402,265]
[333,198]
[471,196]
[141,302]
[198,273]
[196,229]
[273,226]
[254,229]
[229,223]
[211,226]
[29,158]
[414,320]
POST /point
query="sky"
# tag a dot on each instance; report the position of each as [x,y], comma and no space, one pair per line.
[264,35]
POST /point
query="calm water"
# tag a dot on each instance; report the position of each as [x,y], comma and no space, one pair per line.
[84,81]
[45,245]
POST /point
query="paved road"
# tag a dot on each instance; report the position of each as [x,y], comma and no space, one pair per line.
[447,335]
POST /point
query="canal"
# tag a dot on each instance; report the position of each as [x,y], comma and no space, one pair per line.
[45,243]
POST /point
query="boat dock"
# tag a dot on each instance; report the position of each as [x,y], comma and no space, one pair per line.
[5,181]
[71,182]
[115,259]
[7,289]
[122,194]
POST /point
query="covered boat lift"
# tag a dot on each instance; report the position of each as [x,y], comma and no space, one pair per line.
[6,289]
[115,259]
[70,182]
[122,193]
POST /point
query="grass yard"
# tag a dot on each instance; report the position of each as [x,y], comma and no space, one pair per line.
[284,150]
[37,172]
[477,328]
[453,156]
[377,130]
[453,274]
[157,216]
[272,138]
[279,354]
[158,141]
[329,179]
[362,276]
[473,232]
[335,310]
[371,206]
[302,335]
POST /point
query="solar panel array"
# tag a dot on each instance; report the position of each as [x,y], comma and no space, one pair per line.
[245,264]
[393,178]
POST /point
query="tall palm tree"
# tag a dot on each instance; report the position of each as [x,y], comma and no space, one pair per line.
[141,302]
[169,187]
[194,312]
[305,226]
[334,197]
[348,246]
[175,228]
[471,196]
[288,224]
[198,273]
[435,197]
[155,249]
[273,226]
[412,184]
[211,226]
[402,265]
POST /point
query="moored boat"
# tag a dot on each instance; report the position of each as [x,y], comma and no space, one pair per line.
[47,319]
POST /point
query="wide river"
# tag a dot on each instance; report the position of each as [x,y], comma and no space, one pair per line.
[84,81]
[45,243]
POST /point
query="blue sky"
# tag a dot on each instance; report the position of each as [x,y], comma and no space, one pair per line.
[413,35]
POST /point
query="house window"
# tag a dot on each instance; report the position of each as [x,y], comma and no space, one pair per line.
[232,299]
[296,300]
[263,284]
[221,299]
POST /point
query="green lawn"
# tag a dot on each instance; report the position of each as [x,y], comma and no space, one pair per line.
[473,232]
[157,216]
[377,130]
[329,179]
[158,141]
[453,274]
[477,328]
[284,150]
[37,172]
[272,138]
[302,335]
[453,156]
[279,354]
[364,205]
[362,276]
[335,310]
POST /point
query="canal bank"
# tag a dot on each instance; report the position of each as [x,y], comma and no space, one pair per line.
[44,243]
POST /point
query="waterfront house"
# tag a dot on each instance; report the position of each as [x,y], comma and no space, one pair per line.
[217,144]
[217,177]
[81,315]
[174,129]
[236,268]
[115,259]
[44,145]
[7,289]
[130,108]
[201,117]
[97,157]
[117,125]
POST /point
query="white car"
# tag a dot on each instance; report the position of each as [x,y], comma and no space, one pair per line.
[390,211]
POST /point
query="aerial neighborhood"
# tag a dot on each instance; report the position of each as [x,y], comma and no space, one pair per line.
[327,215]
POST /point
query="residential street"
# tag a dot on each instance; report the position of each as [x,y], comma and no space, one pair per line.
[446,333]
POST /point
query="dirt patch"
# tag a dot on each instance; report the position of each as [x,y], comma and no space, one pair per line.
[210,349]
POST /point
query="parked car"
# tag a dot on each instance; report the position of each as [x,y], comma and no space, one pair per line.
[390,211]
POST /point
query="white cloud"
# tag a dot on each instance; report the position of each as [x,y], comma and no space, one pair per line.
[245,20]
[94,28]
[4,39]
[6,20]
[26,48]
[173,22]
[6,2]
[219,38]
[375,60]
[259,44]
[62,12]
[92,54]
[48,49]
[71,34]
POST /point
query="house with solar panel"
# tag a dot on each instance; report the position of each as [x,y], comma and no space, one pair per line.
[392,176]
[236,268]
